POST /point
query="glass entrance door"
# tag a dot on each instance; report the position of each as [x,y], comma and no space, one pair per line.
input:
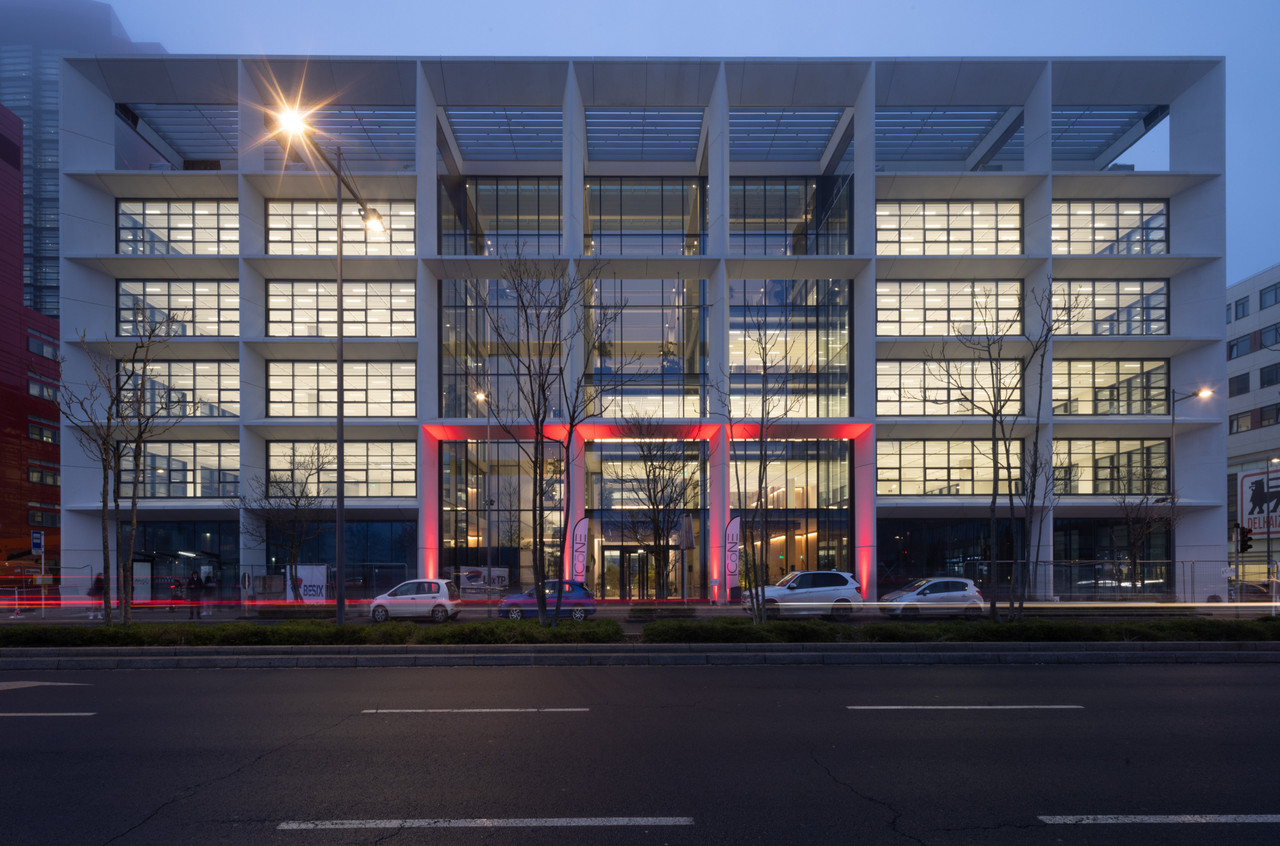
[627,573]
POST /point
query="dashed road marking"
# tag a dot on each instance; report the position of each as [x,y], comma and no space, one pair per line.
[531,822]
[1149,819]
[474,710]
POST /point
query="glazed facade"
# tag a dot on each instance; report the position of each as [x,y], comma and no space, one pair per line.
[856,215]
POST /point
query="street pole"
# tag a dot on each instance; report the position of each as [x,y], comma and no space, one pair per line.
[340,497]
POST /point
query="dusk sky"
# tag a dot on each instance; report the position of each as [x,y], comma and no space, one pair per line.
[1244,31]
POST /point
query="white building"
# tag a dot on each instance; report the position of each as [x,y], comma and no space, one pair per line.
[865,210]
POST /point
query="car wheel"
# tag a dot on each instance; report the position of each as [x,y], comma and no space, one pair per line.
[379,614]
[514,613]
[771,609]
[842,611]
[439,614]
[578,614]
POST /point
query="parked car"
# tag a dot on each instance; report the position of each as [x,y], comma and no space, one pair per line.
[436,599]
[810,593]
[577,602]
[942,595]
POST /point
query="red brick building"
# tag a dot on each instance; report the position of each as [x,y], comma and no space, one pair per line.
[29,421]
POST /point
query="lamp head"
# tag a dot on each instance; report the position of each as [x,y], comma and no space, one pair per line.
[372,220]
[480,397]
[293,123]
[1204,393]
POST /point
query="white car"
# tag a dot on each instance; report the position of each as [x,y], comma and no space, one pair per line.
[436,599]
[811,593]
[940,596]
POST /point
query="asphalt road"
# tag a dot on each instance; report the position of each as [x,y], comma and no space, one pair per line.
[585,755]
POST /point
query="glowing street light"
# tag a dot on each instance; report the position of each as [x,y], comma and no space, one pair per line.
[293,124]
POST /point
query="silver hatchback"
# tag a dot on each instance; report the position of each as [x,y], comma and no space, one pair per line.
[433,599]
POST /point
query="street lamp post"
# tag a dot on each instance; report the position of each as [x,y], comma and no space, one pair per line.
[295,126]
[1174,399]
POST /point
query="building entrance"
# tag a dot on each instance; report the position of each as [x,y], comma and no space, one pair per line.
[631,573]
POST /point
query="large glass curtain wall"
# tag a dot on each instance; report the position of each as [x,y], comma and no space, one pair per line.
[645,499]
[790,216]
[471,357]
[789,348]
[627,216]
[497,216]
[487,495]
[653,359]
[794,502]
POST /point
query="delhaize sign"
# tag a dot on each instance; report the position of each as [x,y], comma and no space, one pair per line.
[1259,503]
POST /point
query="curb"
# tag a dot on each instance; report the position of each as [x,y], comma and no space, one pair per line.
[630,655]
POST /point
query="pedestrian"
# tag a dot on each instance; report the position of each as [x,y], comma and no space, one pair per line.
[210,590]
[95,598]
[194,586]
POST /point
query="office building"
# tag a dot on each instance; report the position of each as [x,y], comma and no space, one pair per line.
[841,223]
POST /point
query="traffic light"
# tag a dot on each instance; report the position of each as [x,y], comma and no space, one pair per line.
[1245,544]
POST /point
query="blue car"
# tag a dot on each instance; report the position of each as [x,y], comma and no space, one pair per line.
[577,602]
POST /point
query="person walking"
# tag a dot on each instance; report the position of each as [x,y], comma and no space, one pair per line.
[194,586]
[95,598]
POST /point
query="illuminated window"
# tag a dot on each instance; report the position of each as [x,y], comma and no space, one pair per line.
[941,388]
[309,228]
[948,308]
[189,388]
[165,228]
[372,389]
[182,469]
[371,468]
[1082,386]
[203,307]
[1111,467]
[941,228]
[1124,227]
[936,467]
[371,309]
[492,216]
[1111,307]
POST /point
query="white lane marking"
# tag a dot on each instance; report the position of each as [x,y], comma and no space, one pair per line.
[552,822]
[15,685]
[1152,818]
[50,714]
[474,710]
[965,707]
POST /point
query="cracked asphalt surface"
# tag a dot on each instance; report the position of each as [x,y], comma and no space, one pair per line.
[680,755]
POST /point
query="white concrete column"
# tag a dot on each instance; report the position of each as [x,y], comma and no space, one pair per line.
[717,198]
[719,458]
[863,503]
[427,199]
[1037,207]
[428,563]
[573,159]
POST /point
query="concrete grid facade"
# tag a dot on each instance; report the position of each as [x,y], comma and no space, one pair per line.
[862,154]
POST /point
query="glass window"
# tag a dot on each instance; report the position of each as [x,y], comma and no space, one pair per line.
[942,228]
[939,309]
[1238,347]
[1241,422]
[1269,296]
[1086,386]
[310,228]
[45,434]
[371,389]
[43,476]
[784,216]
[789,347]
[941,388]
[1242,307]
[1111,307]
[187,388]
[914,468]
[370,309]
[1131,467]
[371,468]
[1269,375]
[494,216]
[1238,385]
[1269,336]
[1110,227]
[165,227]
[181,469]
[644,216]
[203,307]
[1268,415]
[42,347]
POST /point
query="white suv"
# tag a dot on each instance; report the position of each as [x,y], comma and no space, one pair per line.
[436,599]
[811,593]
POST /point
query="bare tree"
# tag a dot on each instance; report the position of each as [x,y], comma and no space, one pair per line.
[657,486]
[984,372]
[547,326]
[119,408]
[767,399]
[287,508]
[1146,511]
